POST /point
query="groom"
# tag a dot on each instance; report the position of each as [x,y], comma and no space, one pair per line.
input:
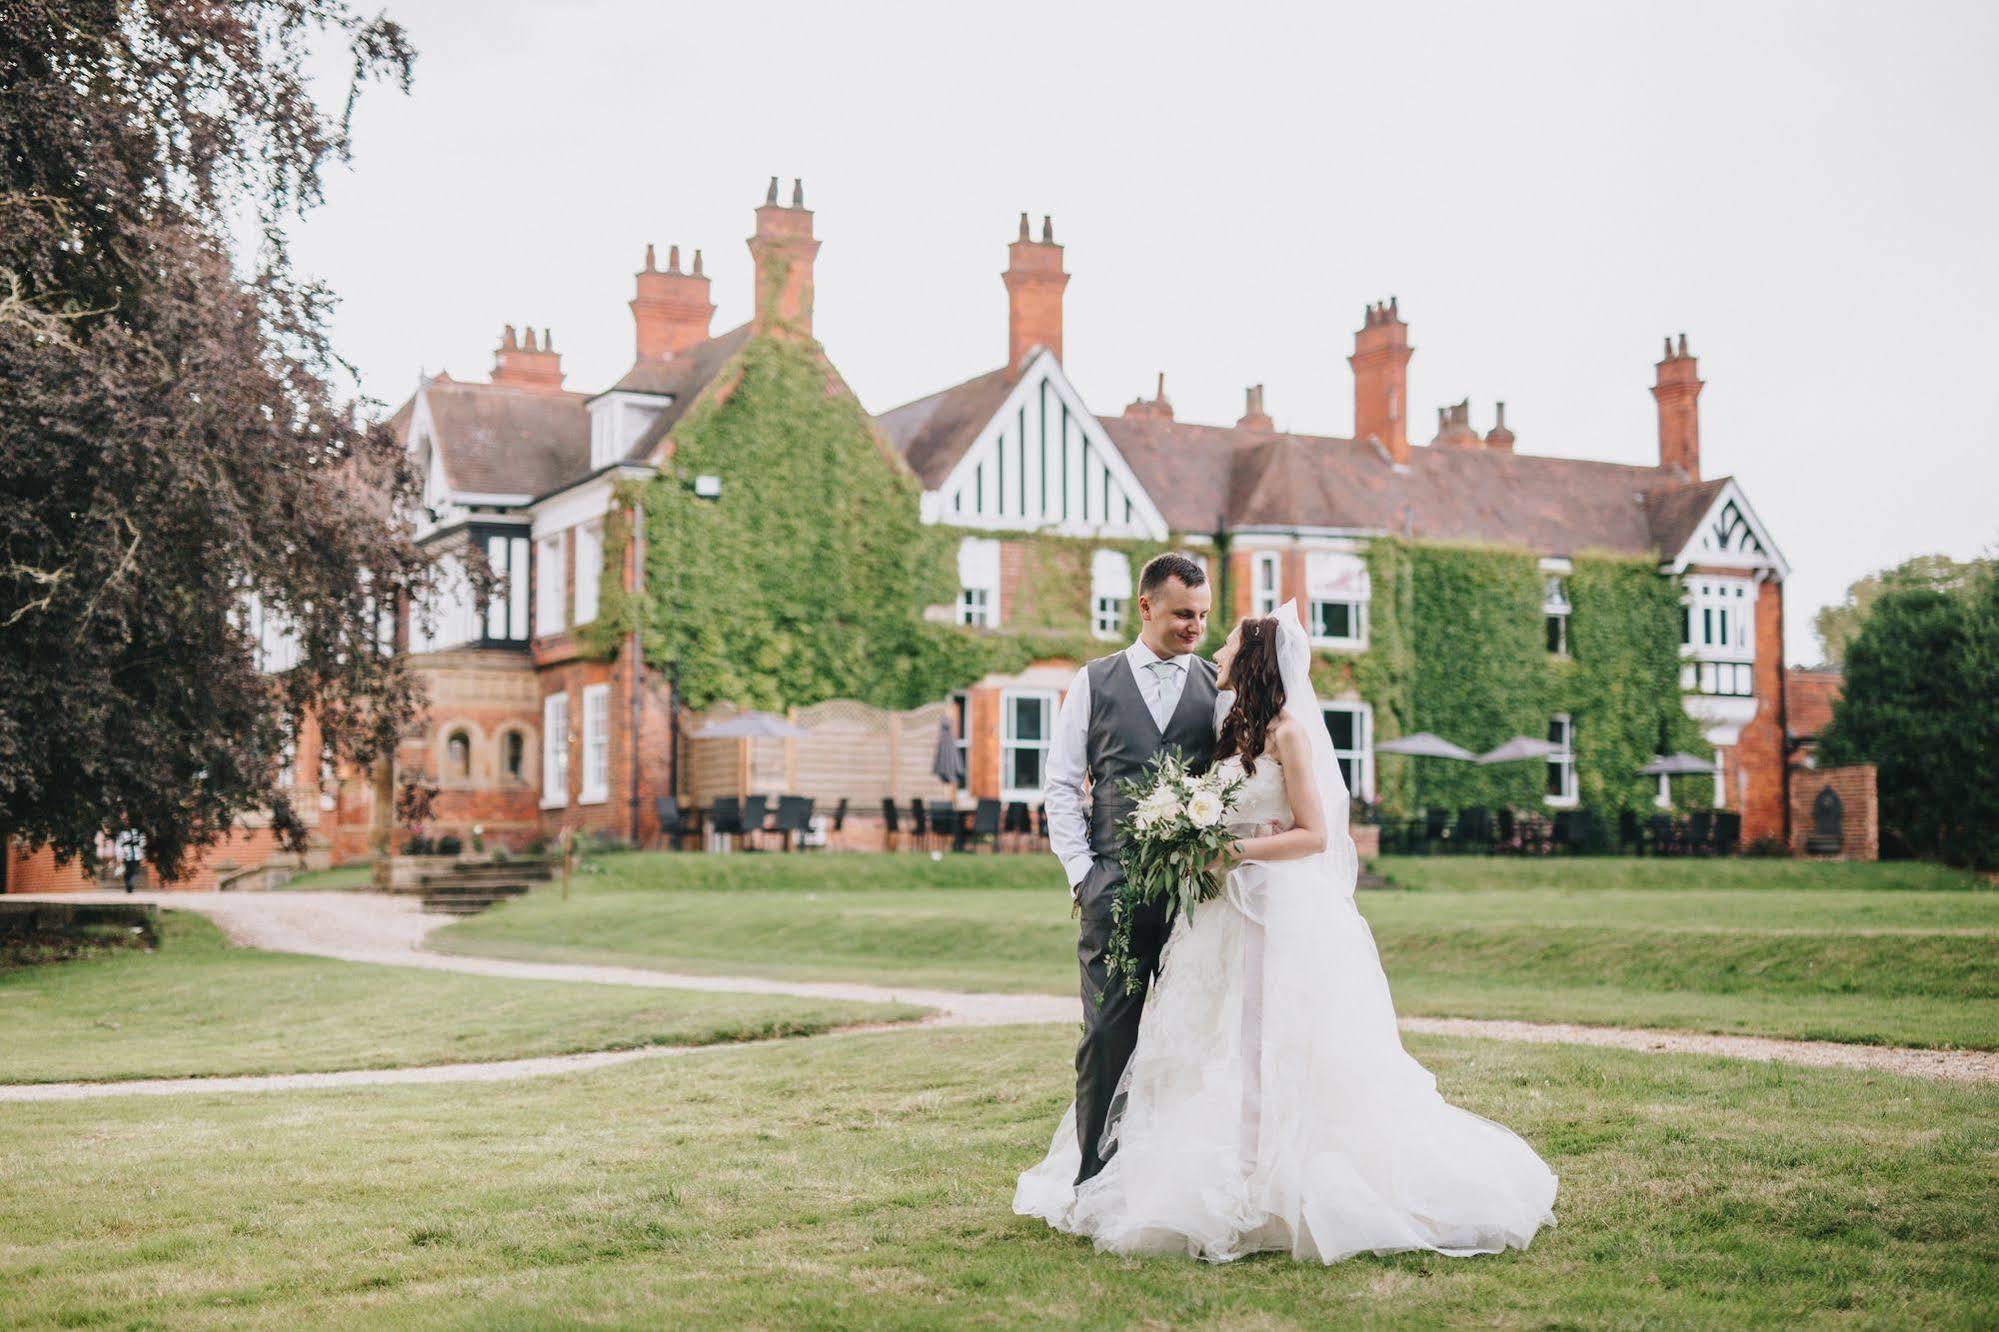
[1120,711]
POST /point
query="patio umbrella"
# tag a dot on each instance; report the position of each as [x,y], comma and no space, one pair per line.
[1521,747]
[1423,745]
[1676,765]
[752,726]
[946,766]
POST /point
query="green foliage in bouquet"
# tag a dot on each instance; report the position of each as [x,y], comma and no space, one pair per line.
[1168,843]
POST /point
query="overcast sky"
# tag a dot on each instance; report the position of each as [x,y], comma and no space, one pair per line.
[1808,190]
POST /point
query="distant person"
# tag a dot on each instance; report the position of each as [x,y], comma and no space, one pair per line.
[132,856]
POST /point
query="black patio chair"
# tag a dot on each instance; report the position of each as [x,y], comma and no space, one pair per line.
[1019,821]
[1473,833]
[945,824]
[1664,835]
[987,821]
[1630,836]
[675,824]
[1505,831]
[1041,823]
[839,819]
[1727,832]
[756,811]
[1435,822]
[1575,831]
[1700,832]
[794,818]
[725,818]
[891,824]
[919,825]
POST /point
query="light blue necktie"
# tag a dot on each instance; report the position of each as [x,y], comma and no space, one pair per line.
[1166,679]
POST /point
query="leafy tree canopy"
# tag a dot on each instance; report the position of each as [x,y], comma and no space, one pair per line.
[176,432]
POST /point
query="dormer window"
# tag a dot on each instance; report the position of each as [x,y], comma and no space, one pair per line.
[617,419]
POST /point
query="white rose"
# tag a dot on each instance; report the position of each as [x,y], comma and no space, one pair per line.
[1204,809]
[1158,807]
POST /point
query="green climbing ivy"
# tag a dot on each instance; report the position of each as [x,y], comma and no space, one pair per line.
[810,579]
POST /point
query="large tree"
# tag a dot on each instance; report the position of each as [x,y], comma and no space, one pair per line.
[1838,625]
[1920,680]
[178,439]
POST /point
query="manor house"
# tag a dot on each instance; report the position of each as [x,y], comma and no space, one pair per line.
[537,724]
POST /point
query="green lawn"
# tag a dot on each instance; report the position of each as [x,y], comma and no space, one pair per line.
[865,1181]
[1896,954]
[202,1006]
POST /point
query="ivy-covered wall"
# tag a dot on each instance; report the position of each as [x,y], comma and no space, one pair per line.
[809,580]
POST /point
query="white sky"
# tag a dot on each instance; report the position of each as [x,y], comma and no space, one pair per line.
[1807,189]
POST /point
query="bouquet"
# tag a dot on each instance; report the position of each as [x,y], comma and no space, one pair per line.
[1175,831]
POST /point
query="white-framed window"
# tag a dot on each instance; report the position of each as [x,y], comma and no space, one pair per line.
[961,718]
[507,610]
[978,582]
[1266,582]
[1110,592]
[458,757]
[589,569]
[448,616]
[1351,725]
[555,751]
[549,594]
[1718,637]
[1562,764]
[1555,610]
[1338,587]
[596,745]
[1027,728]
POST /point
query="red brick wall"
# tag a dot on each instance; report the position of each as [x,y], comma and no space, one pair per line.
[1759,750]
[1860,826]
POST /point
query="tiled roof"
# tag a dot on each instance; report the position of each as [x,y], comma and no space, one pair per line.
[500,440]
[1674,510]
[1553,505]
[685,376]
[932,433]
[496,439]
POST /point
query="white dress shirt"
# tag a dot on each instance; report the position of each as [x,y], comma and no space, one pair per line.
[1063,789]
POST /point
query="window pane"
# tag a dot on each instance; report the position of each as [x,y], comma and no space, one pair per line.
[1024,769]
[1341,725]
[1028,721]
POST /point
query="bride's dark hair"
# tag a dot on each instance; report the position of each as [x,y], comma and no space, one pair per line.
[1259,694]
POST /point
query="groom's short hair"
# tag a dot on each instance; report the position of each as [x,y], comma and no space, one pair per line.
[1171,565]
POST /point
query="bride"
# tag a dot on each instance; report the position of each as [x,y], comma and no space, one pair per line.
[1269,1103]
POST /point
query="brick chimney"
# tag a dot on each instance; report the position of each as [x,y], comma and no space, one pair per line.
[1678,390]
[1157,408]
[783,249]
[1253,416]
[528,365]
[1454,427]
[1499,437]
[1034,282]
[1380,364]
[671,311]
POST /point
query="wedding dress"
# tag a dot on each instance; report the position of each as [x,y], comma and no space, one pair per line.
[1269,1104]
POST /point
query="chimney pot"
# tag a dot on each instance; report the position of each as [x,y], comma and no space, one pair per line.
[1023,228]
[1677,390]
[649,264]
[798,192]
[771,196]
[697,264]
[1047,229]
[672,259]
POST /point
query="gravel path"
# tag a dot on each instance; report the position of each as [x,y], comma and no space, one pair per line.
[389,930]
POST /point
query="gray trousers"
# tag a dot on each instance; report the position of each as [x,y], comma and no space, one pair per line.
[1110,1031]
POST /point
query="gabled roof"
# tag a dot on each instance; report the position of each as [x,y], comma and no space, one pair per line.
[1676,511]
[495,439]
[1553,505]
[685,376]
[932,433]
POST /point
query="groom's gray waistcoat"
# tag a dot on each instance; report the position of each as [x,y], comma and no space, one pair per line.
[1123,738]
